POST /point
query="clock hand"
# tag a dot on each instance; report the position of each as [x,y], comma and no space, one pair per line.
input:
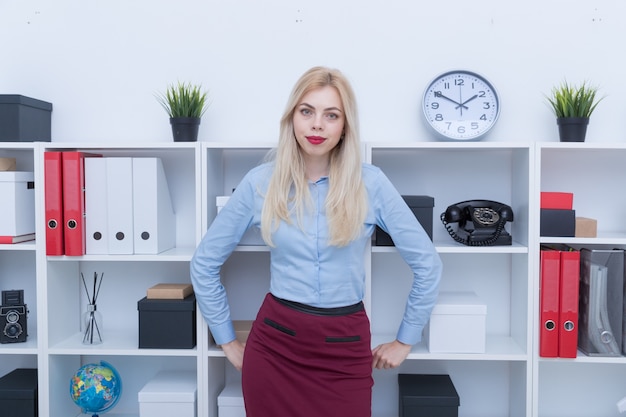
[467,101]
[449,99]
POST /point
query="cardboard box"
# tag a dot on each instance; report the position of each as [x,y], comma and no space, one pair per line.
[242,330]
[422,208]
[586,227]
[252,236]
[230,401]
[167,324]
[8,164]
[17,211]
[24,119]
[457,324]
[169,393]
[557,200]
[557,223]
[169,291]
[423,395]
[18,393]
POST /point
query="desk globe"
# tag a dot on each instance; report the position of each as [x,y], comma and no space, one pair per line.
[96,388]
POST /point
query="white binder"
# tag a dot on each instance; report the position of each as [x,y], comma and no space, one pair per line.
[120,204]
[96,229]
[154,221]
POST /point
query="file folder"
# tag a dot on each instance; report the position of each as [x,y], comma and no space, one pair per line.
[74,201]
[96,221]
[568,310]
[53,203]
[601,306]
[154,221]
[550,261]
[120,205]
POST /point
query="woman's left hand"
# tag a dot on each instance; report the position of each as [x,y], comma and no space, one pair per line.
[390,355]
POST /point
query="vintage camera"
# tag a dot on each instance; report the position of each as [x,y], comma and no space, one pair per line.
[13,313]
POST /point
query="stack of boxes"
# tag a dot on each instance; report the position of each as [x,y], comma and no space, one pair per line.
[558,217]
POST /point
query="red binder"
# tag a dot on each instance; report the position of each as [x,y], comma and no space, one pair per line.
[53,203]
[568,312]
[549,303]
[74,201]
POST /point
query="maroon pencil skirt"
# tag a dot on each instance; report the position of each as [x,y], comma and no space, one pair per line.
[302,361]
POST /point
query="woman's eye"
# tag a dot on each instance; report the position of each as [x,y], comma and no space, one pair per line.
[305,112]
[332,116]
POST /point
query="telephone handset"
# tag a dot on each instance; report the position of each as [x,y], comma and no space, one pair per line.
[481,222]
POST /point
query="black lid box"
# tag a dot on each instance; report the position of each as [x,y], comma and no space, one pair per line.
[167,323]
[24,119]
[423,395]
[18,393]
[557,222]
[422,208]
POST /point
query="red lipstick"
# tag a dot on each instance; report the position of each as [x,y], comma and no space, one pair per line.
[315,140]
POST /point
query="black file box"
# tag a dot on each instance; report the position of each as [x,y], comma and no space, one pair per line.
[18,393]
[557,223]
[423,395]
[24,119]
[601,302]
[167,324]
[422,208]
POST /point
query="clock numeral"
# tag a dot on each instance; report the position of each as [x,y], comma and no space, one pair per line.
[474,125]
[434,105]
[459,81]
[483,117]
[486,105]
[461,129]
[439,117]
[437,93]
[482,94]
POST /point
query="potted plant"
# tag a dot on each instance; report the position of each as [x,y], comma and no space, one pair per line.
[185,103]
[572,106]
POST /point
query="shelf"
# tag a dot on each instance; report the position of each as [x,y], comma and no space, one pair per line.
[459,248]
[117,342]
[172,255]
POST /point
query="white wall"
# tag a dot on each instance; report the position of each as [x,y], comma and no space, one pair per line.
[101,62]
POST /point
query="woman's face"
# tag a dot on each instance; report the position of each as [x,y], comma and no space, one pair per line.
[318,122]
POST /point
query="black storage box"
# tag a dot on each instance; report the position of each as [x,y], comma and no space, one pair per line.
[24,119]
[557,222]
[424,395]
[422,207]
[167,324]
[18,393]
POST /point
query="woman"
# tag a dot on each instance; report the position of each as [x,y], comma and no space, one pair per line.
[317,204]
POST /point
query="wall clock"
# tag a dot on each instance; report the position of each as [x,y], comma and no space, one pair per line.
[460,105]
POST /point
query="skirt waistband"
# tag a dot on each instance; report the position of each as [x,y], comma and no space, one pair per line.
[320,311]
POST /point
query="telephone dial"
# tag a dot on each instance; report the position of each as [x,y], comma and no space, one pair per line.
[480,222]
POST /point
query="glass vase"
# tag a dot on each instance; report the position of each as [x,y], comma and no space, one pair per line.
[92,320]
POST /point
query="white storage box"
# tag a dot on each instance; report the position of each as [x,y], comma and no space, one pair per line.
[252,237]
[169,393]
[230,401]
[457,324]
[17,210]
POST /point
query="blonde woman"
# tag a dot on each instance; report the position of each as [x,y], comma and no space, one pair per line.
[309,352]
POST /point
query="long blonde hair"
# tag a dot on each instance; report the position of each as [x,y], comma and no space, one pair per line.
[346,203]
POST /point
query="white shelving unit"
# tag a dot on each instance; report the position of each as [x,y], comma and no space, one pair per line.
[596,175]
[509,379]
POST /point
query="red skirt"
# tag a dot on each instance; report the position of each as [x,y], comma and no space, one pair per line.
[308,362]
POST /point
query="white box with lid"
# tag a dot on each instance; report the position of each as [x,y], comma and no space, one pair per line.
[457,324]
[169,393]
[230,401]
[252,236]
[17,210]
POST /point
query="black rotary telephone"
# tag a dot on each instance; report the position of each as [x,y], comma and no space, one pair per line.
[481,222]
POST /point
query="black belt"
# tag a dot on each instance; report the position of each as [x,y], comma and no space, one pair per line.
[320,311]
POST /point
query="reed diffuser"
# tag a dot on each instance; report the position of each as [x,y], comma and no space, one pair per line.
[92,318]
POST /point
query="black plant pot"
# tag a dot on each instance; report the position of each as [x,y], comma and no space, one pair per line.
[185,129]
[572,129]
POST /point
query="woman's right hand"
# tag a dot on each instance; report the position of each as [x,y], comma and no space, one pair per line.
[234,353]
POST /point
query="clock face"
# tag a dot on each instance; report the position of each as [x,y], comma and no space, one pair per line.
[461,105]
